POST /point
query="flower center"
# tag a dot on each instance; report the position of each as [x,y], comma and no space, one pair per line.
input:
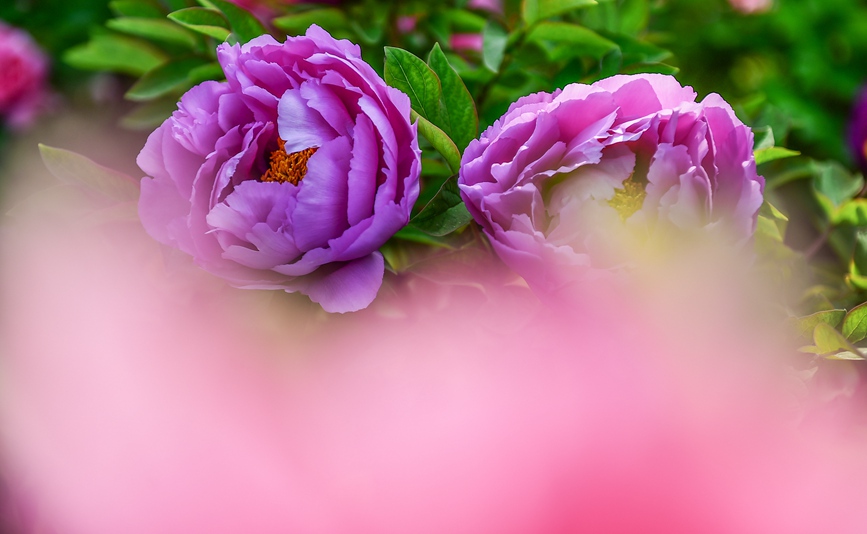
[628,199]
[283,167]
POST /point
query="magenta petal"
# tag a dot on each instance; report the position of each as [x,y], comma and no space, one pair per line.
[348,287]
[320,214]
[299,125]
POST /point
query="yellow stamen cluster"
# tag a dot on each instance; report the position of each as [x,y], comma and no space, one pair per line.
[628,199]
[283,167]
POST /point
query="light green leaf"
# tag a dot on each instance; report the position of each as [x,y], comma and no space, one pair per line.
[582,41]
[853,212]
[763,137]
[406,72]
[494,40]
[533,11]
[75,169]
[835,182]
[159,30]
[807,324]
[829,341]
[206,21]
[459,107]
[441,142]
[445,213]
[764,155]
[115,53]
[164,79]
[855,323]
[244,25]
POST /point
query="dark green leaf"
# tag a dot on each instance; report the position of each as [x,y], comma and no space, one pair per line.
[209,71]
[494,40]
[135,8]
[115,53]
[244,25]
[406,72]
[445,213]
[858,265]
[763,137]
[533,11]
[580,40]
[75,169]
[164,78]
[159,30]
[330,18]
[206,21]
[459,107]
[150,114]
[855,323]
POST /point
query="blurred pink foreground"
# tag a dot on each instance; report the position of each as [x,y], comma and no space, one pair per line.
[141,396]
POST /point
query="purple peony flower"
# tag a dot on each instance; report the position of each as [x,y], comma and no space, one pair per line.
[552,178]
[290,175]
[23,77]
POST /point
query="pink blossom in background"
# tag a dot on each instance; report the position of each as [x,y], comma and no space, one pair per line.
[24,70]
[751,6]
[466,41]
[494,6]
[141,399]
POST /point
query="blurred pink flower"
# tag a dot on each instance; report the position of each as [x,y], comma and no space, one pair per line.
[466,41]
[136,402]
[751,6]
[23,77]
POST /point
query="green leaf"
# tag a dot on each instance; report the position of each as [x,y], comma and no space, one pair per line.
[150,114]
[75,169]
[494,40]
[159,30]
[855,323]
[858,264]
[115,53]
[329,18]
[414,235]
[209,71]
[581,41]
[206,21]
[406,72]
[533,11]
[764,155]
[807,324]
[164,79]
[441,142]
[829,341]
[458,104]
[244,25]
[763,137]
[835,182]
[135,8]
[853,212]
[445,213]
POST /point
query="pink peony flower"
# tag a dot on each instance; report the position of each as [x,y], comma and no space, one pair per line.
[23,77]
[290,175]
[561,179]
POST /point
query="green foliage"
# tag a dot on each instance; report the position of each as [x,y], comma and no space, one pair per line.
[445,213]
[77,170]
[206,21]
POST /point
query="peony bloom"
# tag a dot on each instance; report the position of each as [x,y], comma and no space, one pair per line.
[290,175]
[23,77]
[858,130]
[561,177]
